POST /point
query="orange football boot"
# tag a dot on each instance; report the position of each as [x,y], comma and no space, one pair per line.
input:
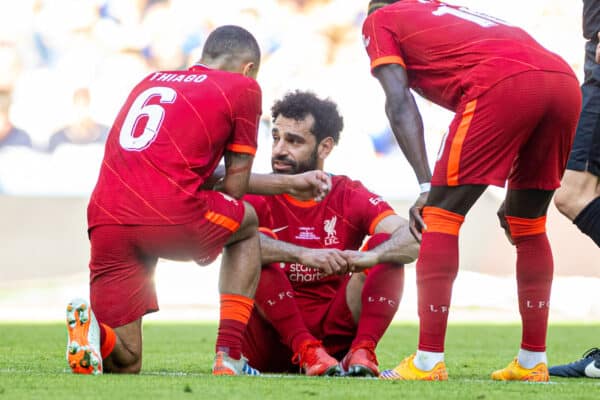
[83,343]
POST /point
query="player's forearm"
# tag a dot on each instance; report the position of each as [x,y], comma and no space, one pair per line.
[263,184]
[407,126]
[269,184]
[237,174]
[400,248]
[272,250]
[235,186]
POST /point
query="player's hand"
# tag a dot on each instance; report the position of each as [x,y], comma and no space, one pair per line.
[310,185]
[598,50]
[416,222]
[329,261]
[503,223]
[360,260]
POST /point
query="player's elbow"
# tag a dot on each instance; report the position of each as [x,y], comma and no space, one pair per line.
[235,193]
[234,188]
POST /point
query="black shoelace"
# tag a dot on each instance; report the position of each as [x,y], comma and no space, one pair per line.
[594,353]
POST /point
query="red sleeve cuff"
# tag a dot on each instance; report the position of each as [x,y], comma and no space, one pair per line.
[242,148]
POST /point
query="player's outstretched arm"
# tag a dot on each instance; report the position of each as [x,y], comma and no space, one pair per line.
[329,261]
[308,185]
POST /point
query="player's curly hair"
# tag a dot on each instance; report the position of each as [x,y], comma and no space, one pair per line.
[298,104]
[377,4]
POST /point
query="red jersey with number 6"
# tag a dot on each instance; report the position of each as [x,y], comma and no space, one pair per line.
[452,53]
[167,139]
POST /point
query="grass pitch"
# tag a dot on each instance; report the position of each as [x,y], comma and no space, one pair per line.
[178,358]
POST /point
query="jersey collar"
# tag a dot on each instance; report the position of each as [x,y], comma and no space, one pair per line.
[300,203]
[198,66]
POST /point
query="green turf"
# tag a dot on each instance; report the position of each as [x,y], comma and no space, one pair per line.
[177,360]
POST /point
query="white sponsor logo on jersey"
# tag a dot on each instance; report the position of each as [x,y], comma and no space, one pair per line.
[303,273]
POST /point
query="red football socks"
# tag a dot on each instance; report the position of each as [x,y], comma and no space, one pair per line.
[534,278]
[235,313]
[437,267]
[275,301]
[381,296]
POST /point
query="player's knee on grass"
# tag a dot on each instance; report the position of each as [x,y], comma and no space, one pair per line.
[123,361]
[126,357]
[129,369]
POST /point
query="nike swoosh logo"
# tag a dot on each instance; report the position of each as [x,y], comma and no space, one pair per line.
[592,371]
[279,229]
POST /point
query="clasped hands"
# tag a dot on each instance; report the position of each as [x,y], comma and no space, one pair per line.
[338,262]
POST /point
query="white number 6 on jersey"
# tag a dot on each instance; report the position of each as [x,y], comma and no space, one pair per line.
[155,114]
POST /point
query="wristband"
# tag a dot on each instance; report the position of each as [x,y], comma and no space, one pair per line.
[425,187]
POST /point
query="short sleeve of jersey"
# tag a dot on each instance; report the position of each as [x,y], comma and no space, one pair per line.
[368,209]
[247,110]
[380,42]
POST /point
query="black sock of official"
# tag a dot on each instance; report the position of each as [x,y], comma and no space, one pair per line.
[588,220]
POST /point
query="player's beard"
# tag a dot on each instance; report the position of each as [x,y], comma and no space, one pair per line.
[296,167]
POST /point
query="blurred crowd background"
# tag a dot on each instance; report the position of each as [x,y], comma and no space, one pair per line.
[66,67]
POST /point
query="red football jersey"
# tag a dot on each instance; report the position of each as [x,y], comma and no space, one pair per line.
[167,139]
[450,52]
[342,220]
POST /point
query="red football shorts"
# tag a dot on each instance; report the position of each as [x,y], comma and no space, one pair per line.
[521,130]
[331,322]
[123,257]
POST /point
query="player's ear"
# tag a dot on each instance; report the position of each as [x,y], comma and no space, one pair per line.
[250,70]
[325,147]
